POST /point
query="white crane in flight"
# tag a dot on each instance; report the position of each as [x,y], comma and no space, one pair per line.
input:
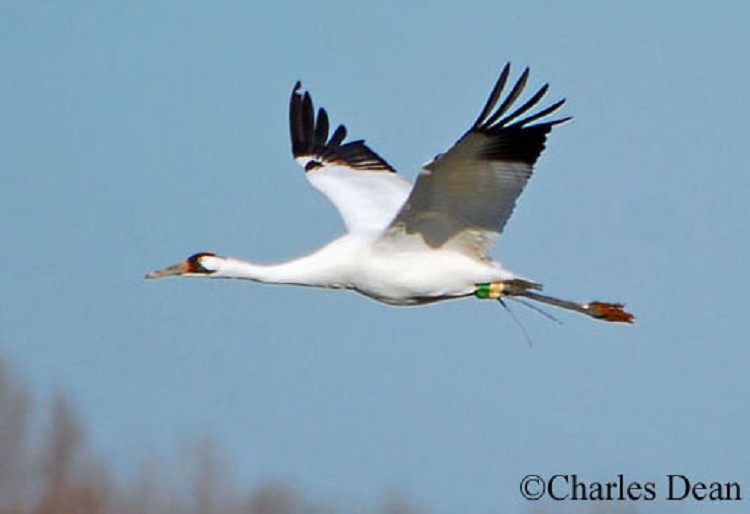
[413,244]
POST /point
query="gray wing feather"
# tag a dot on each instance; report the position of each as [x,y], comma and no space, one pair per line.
[467,194]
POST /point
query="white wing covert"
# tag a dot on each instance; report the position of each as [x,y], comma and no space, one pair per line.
[362,185]
[465,196]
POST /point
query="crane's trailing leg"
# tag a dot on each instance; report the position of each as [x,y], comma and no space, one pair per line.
[517,287]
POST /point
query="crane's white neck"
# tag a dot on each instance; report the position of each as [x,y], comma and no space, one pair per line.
[306,271]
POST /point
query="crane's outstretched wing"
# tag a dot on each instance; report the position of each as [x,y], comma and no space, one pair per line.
[362,185]
[465,196]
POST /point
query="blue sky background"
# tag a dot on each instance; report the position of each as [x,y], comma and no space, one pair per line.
[136,133]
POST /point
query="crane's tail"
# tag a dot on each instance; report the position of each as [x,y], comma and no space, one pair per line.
[599,310]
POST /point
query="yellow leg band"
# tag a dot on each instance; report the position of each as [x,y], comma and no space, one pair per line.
[490,290]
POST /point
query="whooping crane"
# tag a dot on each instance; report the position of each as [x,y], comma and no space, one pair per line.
[408,245]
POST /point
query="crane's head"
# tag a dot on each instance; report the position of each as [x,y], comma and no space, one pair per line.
[199,265]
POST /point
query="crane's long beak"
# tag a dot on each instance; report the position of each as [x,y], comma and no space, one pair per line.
[177,269]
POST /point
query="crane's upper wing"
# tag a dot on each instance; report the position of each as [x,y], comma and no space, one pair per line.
[362,185]
[465,196]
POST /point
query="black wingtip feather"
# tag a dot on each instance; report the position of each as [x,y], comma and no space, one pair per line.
[491,118]
[494,95]
[295,121]
[531,102]
[541,114]
[309,137]
[513,135]
[338,136]
[510,99]
[321,129]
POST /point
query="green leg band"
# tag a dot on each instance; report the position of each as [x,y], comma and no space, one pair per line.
[491,290]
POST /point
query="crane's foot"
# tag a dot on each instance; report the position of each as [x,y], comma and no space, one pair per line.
[608,311]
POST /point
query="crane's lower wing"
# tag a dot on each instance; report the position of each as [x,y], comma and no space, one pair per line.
[365,189]
[464,197]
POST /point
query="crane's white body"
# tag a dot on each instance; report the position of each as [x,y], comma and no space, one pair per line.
[379,270]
